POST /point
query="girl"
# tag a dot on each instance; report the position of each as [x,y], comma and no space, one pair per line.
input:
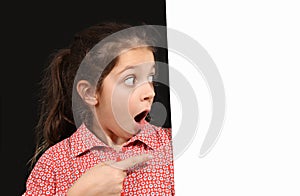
[95,138]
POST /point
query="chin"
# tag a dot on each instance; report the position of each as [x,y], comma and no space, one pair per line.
[133,130]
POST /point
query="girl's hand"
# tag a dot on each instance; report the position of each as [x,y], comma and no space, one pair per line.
[105,179]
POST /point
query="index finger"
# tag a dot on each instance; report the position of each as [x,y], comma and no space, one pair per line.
[131,161]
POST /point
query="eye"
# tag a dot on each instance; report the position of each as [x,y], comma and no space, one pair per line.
[130,81]
[150,78]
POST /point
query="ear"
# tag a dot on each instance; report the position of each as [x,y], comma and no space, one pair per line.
[87,92]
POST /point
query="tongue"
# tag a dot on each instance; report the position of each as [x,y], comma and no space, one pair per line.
[143,121]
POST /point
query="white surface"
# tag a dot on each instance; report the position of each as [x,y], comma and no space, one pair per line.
[256,47]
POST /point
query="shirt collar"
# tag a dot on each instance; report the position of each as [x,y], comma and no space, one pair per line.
[83,139]
[147,135]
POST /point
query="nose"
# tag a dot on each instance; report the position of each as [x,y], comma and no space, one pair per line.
[147,92]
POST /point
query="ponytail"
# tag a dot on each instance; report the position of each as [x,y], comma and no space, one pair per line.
[55,115]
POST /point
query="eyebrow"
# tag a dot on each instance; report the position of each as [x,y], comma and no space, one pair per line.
[133,67]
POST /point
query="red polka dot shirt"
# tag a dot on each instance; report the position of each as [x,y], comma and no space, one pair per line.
[62,164]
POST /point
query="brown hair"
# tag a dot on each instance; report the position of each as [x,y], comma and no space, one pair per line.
[56,113]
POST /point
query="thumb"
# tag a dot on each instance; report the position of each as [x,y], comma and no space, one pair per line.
[132,161]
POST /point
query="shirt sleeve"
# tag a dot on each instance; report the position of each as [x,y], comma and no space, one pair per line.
[41,180]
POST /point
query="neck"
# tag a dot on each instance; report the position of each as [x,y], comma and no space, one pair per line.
[109,138]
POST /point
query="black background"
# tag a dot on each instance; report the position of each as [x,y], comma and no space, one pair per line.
[30,32]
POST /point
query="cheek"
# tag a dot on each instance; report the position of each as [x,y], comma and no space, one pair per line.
[121,101]
[133,104]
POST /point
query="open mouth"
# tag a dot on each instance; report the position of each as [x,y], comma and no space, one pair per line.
[141,116]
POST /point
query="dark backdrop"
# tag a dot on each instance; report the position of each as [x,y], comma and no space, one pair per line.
[30,32]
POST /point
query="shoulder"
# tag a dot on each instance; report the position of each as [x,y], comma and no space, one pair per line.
[44,174]
[55,153]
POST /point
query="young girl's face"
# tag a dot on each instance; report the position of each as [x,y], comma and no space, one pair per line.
[127,94]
